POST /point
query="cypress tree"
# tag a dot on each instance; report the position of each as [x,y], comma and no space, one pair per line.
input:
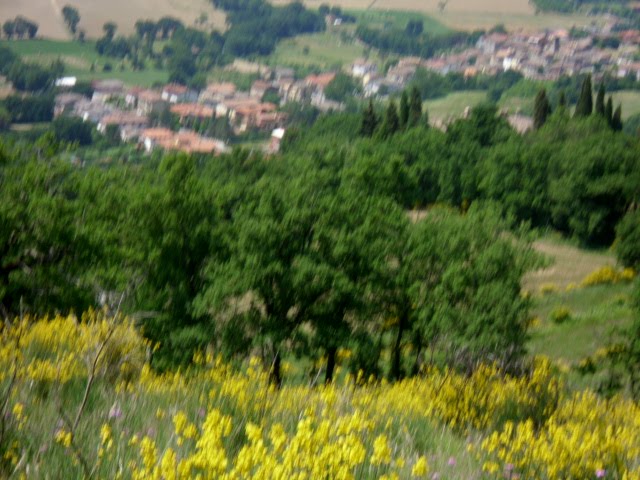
[608,111]
[369,121]
[562,101]
[391,122]
[616,120]
[404,110]
[600,108]
[541,109]
[584,108]
[415,107]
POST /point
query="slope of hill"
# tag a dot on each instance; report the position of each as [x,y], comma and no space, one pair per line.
[467,14]
[124,12]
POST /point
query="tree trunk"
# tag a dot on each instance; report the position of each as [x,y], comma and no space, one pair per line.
[396,365]
[416,363]
[331,364]
[275,374]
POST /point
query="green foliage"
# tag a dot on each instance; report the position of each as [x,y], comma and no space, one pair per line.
[72,130]
[415,109]
[584,108]
[627,245]
[177,234]
[608,111]
[591,180]
[474,307]
[44,244]
[632,125]
[71,18]
[390,123]
[29,109]
[600,106]
[404,110]
[616,119]
[312,251]
[5,119]
[342,88]
[541,109]
[369,120]
[560,315]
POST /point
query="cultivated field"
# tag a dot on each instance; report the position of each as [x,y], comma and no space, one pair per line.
[95,13]
[79,59]
[453,105]
[630,100]
[467,14]
[322,49]
[512,7]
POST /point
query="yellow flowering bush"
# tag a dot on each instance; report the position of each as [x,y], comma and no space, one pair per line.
[213,421]
[59,349]
[608,275]
[586,437]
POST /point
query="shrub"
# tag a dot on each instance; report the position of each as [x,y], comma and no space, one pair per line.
[548,288]
[560,315]
[627,245]
[608,275]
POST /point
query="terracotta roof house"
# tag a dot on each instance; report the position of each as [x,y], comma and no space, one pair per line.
[259,88]
[66,102]
[131,96]
[227,107]
[184,141]
[104,90]
[191,110]
[122,120]
[150,101]
[174,93]
[320,82]
[217,92]
[258,115]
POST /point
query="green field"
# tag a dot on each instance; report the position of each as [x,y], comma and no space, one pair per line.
[512,21]
[327,50]
[597,313]
[79,59]
[398,19]
[630,100]
[453,105]
[465,14]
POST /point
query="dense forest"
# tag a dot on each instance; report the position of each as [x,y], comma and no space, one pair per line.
[312,250]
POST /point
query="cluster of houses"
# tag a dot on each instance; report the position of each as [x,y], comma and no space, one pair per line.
[130,110]
[546,55]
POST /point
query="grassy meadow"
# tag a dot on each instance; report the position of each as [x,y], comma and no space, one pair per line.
[328,50]
[464,14]
[453,105]
[399,19]
[83,402]
[630,100]
[81,58]
[573,322]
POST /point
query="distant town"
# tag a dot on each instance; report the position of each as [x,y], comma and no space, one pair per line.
[542,56]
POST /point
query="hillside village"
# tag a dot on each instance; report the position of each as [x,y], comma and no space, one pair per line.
[130,110]
[545,55]
[135,112]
